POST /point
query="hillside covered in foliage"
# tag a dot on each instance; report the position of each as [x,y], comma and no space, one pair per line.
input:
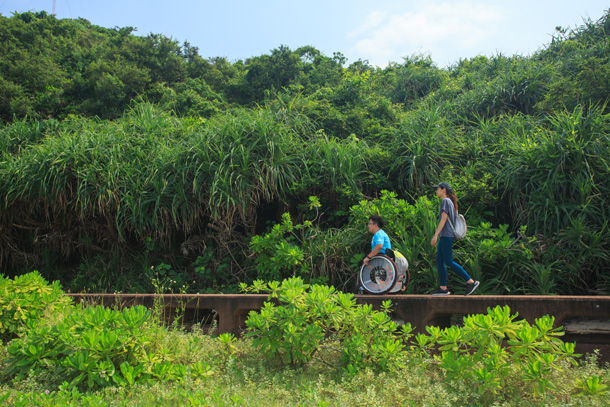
[132,163]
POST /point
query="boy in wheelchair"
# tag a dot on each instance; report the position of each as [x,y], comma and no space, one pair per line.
[382,270]
[381,241]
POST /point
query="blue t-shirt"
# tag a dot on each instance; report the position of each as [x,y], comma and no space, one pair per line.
[449,209]
[381,237]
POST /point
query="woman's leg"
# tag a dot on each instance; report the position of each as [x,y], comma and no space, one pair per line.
[445,245]
[440,265]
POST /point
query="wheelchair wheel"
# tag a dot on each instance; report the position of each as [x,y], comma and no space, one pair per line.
[379,276]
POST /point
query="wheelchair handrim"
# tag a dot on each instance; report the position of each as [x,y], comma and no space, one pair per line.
[379,276]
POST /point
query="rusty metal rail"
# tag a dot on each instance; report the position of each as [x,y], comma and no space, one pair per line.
[586,319]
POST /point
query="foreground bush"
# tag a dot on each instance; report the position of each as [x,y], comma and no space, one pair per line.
[310,317]
[492,350]
[338,354]
[97,346]
[25,300]
[489,352]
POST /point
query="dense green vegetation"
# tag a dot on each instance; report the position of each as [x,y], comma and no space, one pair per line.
[129,163]
[311,345]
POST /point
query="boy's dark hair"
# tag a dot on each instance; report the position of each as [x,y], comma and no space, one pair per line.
[378,220]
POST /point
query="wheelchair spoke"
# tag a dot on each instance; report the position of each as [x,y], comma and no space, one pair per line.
[379,276]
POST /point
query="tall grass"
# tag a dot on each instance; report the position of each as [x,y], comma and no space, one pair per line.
[79,191]
[422,149]
[243,161]
[558,172]
[88,185]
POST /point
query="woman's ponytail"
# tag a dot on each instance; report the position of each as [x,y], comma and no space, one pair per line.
[451,195]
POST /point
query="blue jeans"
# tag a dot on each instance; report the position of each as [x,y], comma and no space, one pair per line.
[444,256]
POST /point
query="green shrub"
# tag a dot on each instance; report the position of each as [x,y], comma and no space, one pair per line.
[310,317]
[97,346]
[491,350]
[25,300]
[279,254]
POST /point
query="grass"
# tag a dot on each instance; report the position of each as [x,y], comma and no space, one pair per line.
[245,378]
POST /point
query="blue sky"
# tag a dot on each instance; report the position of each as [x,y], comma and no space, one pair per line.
[379,31]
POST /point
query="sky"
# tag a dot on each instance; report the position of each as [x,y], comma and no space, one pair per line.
[379,31]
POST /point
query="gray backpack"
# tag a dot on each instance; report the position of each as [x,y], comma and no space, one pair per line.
[460,228]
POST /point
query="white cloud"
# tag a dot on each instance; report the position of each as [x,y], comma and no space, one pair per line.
[371,21]
[445,30]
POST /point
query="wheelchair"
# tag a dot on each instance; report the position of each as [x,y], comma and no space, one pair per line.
[383,275]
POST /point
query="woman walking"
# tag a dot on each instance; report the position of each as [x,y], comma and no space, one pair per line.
[444,253]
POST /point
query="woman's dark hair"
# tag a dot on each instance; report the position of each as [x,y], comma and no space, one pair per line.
[451,195]
[378,220]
